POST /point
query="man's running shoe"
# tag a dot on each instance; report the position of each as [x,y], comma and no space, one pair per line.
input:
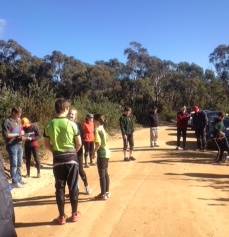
[61,220]
[88,190]
[100,197]
[75,217]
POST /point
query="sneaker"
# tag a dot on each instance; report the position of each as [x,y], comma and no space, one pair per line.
[75,217]
[38,175]
[155,144]
[185,148]
[61,219]
[177,148]
[27,176]
[88,190]
[92,164]
[152,145]
[108,194]
[126,159]
[22,182]
[86,166]
[100,197]
[17,185]
[204,150]
[131,158]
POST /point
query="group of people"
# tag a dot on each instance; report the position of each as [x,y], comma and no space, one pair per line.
[62,137]
[199,124]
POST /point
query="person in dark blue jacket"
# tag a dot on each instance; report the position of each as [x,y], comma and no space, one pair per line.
[6,206]
[200,121]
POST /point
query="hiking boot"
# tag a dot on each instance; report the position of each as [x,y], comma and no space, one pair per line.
[126,159]
[17,185]
[88,190]
[61,219]
[100,197]
[131,158]
[75,217]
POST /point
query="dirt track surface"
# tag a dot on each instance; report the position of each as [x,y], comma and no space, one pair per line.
[163,193]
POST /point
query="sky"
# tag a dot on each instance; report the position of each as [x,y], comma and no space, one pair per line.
[91,30]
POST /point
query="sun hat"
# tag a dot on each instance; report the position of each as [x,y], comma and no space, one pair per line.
[25,122]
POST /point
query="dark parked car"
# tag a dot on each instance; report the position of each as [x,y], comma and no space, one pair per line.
[209,134]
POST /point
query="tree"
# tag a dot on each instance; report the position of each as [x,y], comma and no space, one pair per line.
[220,59]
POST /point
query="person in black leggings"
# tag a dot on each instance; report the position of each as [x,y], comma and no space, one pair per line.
[31,145]
[103,155]
[73,117]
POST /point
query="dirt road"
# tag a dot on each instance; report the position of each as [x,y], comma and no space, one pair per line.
[163,193]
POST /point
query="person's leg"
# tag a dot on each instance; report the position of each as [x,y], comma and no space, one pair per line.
[86,153]
[72,181]
[12,151]
[125,145]
[102,164]
[204,140]
[36,159]
[91,149]
[155,135]
[151,136]
[131,143]
[81,170]
[178,137]
[27,160]
[198,138]
[184,134]
[60,182]
[19,162]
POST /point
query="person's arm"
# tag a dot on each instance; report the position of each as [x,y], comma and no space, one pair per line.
[122,127]
[47,144]
[37,133]
[205,120]
[78,142]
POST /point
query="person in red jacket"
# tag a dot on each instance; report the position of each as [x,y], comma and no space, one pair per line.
[182,124]
[88,139]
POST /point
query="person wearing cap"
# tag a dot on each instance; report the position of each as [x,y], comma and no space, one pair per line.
[88,139]
[220,138]
[182,125]
[31,145]
[153,124]
[127,129]
[200,121]
[12,133]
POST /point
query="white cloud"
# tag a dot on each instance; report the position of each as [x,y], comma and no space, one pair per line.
[2,26]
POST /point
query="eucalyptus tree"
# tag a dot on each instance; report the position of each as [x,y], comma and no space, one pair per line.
[220,59]
[15,64]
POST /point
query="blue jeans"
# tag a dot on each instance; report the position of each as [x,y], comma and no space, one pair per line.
[15,155]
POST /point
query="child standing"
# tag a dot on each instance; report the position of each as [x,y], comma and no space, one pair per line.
[103,155]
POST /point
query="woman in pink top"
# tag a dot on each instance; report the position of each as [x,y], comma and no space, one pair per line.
[88,139]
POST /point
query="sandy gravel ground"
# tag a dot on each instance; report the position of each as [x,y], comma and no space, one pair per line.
[164,192]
